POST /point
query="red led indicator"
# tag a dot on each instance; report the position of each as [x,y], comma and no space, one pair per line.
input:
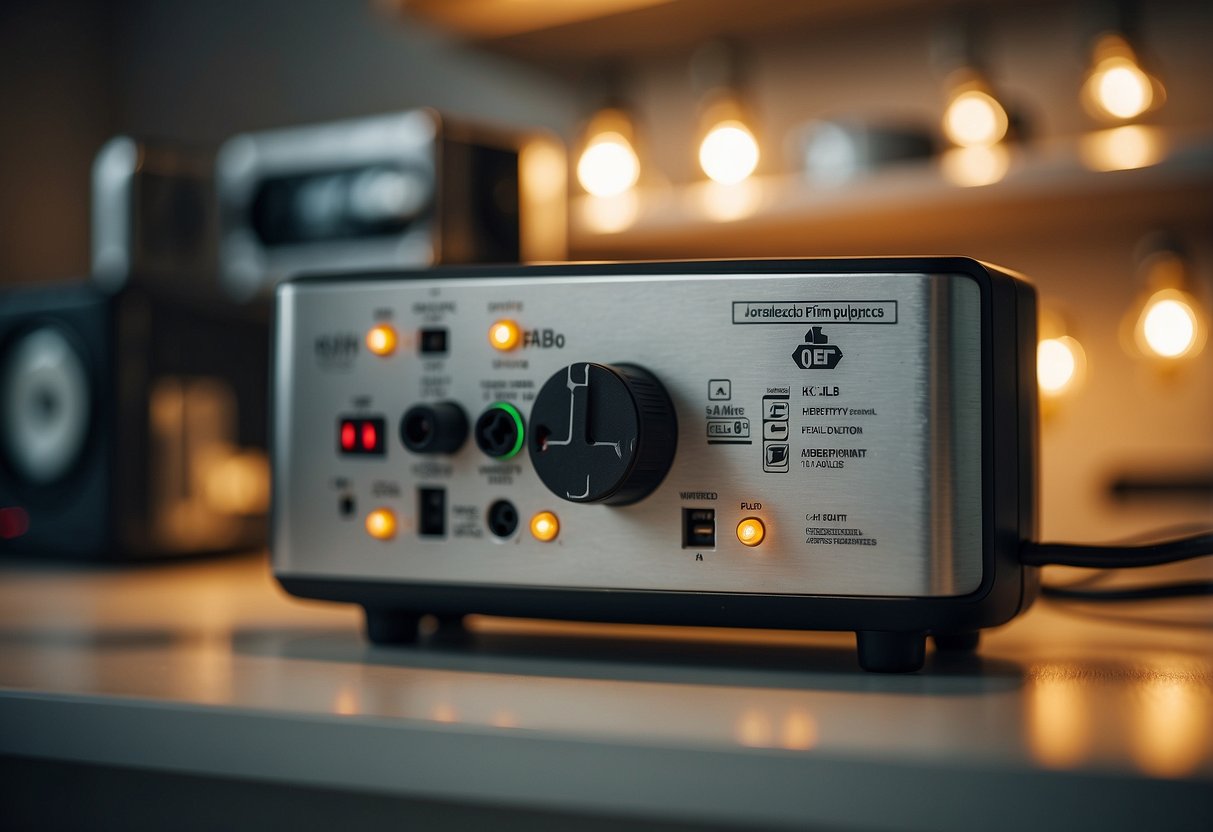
[361,435]
[14,522]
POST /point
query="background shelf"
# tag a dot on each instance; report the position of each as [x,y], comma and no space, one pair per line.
[911,209]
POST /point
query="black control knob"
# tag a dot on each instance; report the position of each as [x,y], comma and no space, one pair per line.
[602,433]
[439,428]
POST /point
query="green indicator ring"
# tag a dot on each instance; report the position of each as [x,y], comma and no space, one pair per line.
[517,417]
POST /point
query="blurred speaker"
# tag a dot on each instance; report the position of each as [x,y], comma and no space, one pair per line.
[411,188]
[133,405]
[131,425]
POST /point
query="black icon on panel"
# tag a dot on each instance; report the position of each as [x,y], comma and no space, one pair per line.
[776,457]
[816,353]
[774,430]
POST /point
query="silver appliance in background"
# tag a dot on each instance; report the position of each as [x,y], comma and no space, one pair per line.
[407,189]
[837,151]
[153,218]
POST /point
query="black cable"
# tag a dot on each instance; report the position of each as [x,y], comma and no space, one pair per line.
[1117,557]
[1152,592]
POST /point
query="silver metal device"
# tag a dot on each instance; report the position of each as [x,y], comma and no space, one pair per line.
[387,191]
[816,432]
[153,218]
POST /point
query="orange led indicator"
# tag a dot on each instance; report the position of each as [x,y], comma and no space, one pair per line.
[504,335]
[381,340]
[545,526]
[750,531]
[381,524]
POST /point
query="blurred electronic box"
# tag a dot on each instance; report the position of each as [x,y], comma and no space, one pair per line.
[133,404]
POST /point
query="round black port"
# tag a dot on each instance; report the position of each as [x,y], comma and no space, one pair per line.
[439,428]
[503,518]
[499,430]
[418,430]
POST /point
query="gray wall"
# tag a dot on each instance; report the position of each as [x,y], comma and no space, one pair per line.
[56,102]
[73,72]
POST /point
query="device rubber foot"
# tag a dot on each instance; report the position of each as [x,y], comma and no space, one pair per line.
[890,652]
[958,641]
[391,626]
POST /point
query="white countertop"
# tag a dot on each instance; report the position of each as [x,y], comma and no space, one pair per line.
[1073,715]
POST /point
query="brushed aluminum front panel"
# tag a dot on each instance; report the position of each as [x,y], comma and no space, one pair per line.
[879,492]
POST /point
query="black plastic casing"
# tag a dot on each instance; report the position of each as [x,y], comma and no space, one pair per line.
[1009,487]
[101,509]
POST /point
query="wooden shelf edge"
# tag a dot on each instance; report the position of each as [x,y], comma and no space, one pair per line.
[786,213]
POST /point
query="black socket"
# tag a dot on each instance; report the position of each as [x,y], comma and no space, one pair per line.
[439,428]
[502,518]
[699,528]
[499,431]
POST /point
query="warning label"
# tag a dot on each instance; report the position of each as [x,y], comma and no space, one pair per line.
[833,530]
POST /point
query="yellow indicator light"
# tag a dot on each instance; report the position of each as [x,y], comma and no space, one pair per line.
[545,526]
[381,340]
[381,524]
[504,335]
[750,531]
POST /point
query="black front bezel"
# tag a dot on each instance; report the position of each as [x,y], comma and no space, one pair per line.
[72,515]
[1008,459]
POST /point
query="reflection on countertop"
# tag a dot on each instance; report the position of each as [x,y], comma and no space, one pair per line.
[1065,687]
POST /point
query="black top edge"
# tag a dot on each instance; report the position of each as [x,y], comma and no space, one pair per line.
[956,264]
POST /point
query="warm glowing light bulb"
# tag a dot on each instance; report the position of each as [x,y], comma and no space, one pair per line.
[751,531]
[1122,89]
[1169,326]
[381,524]
[728,153]
[608,166]
[545,526]
[381,340]
[1117,88]
[504,335]
[1056,364]
[975,118]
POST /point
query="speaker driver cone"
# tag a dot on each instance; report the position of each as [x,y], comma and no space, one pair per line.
[44,405]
